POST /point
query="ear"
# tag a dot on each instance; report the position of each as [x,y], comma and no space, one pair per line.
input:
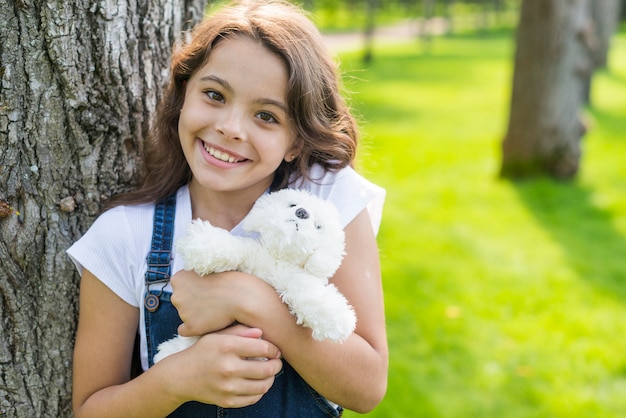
[293,152]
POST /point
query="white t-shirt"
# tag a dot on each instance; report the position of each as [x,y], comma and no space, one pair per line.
[114,248]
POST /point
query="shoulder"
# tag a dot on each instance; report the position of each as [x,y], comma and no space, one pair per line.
[134,222]
[348,190]
[119,226]
[131,216]
[112,247]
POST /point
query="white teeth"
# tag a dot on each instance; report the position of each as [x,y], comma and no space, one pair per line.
[220,155]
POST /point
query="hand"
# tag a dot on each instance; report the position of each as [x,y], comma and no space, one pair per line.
[217,369]
[203,303]
[211,303]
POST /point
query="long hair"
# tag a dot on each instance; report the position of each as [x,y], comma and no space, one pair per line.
[326,132]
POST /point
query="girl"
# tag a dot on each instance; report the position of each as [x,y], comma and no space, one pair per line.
[253,106]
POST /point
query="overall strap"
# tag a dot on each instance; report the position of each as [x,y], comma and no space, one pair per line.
[160,255]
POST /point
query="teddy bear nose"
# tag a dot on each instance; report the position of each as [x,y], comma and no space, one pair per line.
[302,214]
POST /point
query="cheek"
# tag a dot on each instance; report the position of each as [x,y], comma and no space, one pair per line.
[193,115]
[187,120]
[183,123]
[272,148]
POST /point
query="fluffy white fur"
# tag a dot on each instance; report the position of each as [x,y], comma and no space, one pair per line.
[296,245]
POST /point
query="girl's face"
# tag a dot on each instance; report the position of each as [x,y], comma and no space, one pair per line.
[234,127]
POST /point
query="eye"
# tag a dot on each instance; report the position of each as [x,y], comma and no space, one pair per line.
[318,226]
[266,117]
[213,95]
[292,205]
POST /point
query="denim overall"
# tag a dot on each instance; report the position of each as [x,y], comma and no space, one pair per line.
[289,397]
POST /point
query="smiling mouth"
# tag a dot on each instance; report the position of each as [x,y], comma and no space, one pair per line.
[221,155]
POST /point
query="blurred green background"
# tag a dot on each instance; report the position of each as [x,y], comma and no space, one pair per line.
[503,299]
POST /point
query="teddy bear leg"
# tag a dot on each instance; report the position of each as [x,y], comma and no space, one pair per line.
[173,346]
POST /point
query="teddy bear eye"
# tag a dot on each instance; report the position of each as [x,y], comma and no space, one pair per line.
[318,226]
[292,205]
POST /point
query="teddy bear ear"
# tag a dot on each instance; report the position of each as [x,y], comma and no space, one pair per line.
[261,214]
[252,221]
[258,215]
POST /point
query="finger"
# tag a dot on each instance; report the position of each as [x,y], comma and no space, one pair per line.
[239,329]
[184,330]
[257,376]
[241,347]
[257,348]
[242,331]
[248,393]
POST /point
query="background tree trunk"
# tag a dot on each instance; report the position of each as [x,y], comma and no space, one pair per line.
[79,83]
[368,31]
[605,18]
[551,63]
[426,23]
[605,15]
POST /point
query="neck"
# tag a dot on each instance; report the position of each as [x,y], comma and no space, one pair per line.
[222,209]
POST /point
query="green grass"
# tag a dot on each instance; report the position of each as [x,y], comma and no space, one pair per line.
[334,16]
[343,16]
[503,299]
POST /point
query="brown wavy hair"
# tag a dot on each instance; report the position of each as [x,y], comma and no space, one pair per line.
[326,131]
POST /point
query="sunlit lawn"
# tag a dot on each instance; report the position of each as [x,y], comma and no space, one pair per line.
[503,300]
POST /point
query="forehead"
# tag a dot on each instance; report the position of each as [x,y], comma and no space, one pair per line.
[243,60]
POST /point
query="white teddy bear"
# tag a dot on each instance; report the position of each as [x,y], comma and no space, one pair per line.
[295,244]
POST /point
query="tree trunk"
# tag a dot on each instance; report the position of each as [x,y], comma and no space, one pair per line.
[368,31]
[426,30]
[80,81]
[448,15]
[605,18]
[551,63]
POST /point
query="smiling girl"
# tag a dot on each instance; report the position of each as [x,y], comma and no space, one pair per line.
[253,106]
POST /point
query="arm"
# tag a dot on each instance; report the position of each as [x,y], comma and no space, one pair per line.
[352,374]
[213,371]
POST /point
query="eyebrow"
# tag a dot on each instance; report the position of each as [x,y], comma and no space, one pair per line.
[262,100]
[219,81]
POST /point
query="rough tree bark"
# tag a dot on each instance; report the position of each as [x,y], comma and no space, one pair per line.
[552,60]
[79,83]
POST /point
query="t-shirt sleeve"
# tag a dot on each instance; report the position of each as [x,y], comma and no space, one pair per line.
[350,192]
[108,250]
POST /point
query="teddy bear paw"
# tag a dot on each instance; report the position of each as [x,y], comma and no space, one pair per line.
[173,346]
[338,328]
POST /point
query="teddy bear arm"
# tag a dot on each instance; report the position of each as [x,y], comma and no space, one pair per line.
[207,249]
[320,307]
[253,259]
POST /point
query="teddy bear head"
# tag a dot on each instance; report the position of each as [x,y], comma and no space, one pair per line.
[300,228]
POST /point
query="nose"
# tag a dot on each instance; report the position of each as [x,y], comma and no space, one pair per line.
[231,125]
[302,214]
